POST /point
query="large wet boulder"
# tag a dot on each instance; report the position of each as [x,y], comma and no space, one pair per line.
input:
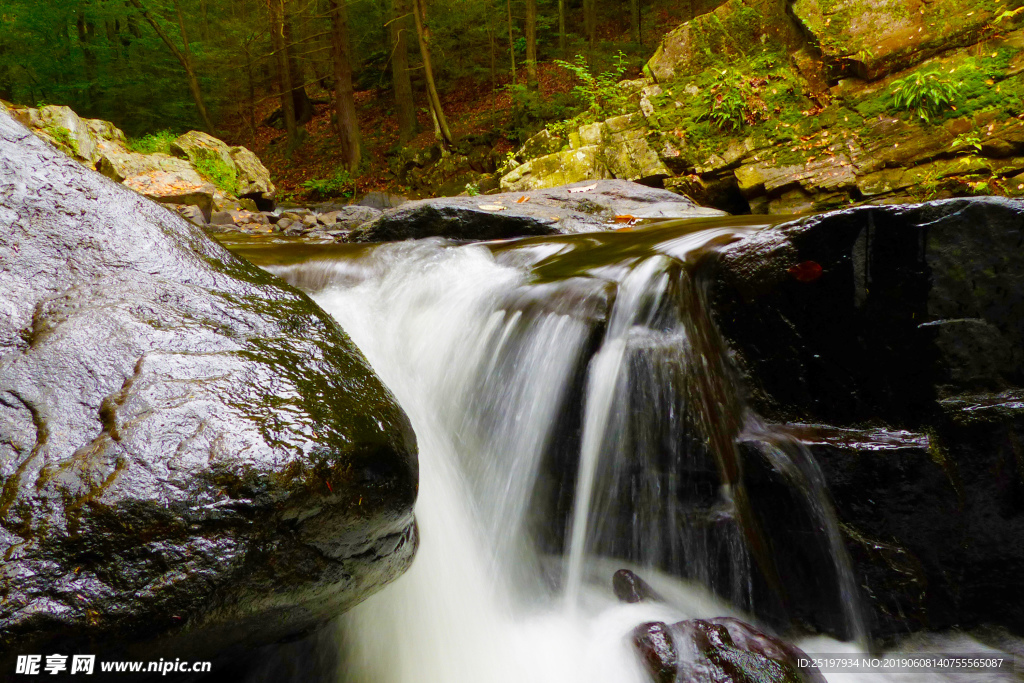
[194,458]
[580,207]
[720,650]
[894,335]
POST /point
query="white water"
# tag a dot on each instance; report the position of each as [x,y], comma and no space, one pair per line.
[482,374]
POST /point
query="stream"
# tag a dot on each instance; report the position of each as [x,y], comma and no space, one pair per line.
[576,413]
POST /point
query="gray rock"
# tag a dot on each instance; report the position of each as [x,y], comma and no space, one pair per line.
[568,209]
[253,177]
[195,458]
[222,218]
[193,214]
[381,200]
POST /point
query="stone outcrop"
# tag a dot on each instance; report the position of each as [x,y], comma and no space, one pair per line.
[901,355]
[616,148]
[194,458]
[753,107]
[581,207]
[872,38]
[188,176]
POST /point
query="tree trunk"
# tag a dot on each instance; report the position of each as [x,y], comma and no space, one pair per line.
[277,41]
[492,45]
[344,104]
[301,103]
[423,34]
[561,26]
[531,44]
[86,36]
[590,21]
[511,44]
[634,15]
[6,81]
[404,104]
[183,57]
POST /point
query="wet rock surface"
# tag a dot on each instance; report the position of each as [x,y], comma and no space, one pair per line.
[580,207]
[194,458]
[903,359]
[720,650]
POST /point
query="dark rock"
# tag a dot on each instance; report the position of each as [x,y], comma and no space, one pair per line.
[195,458]
[653,641]
[722,650]
[568,209]
[906,354]
[629,587]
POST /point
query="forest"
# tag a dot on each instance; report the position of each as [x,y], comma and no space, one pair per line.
[378,72]
[492,341]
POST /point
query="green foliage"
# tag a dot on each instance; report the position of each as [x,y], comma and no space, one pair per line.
[218,172]
[472,189]
[971,140]
[736,100]
[529,109]
[151,143]
[600,93]
[925,94]
[104,61]
[341,184]
[62,136]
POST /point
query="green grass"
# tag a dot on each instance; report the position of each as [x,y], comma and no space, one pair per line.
[341,184]
[218,172]
[153,143]
[62,136]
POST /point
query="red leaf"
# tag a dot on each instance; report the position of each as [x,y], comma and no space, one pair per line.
[808,271]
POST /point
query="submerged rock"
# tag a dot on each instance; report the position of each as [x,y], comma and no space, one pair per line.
[721,650]
[904,359]
[194,458]
[582,207]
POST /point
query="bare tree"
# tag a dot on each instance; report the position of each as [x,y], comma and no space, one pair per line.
[419,13]
[531,44]
[344,103]
[406,107]
[279,44]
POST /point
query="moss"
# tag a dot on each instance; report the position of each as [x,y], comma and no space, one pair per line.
[63,139]
[218,172]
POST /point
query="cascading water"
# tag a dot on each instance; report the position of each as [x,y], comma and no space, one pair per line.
[574,416]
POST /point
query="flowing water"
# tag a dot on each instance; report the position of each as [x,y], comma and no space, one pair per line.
[575,414]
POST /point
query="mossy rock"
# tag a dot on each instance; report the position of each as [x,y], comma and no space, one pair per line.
[871,38]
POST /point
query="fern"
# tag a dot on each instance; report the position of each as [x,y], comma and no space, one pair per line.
[925,94]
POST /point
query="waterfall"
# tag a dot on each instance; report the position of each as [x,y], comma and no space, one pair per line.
[574,416]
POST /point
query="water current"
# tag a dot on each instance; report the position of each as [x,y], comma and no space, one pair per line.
[576,414]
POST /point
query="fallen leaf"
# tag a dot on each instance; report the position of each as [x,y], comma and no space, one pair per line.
[808,271]
[522,199]
[493,207]
[586,188]
[624,218]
